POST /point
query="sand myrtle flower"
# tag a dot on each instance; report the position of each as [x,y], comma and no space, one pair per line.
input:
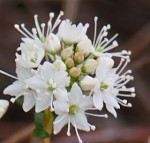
[66,76]
[31,55]
[20,88]
[72,111]
[3,107]
[102,45]
[71,33]
[46,82]
[109,85]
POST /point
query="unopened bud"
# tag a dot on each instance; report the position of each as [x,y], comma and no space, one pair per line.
[85,47]
[52,44]
[59,64]
[79,57]
[67,53]
[90,66]
[87,83]
[74,72]
[69,63]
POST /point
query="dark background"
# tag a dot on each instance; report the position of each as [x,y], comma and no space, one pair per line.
[129,18]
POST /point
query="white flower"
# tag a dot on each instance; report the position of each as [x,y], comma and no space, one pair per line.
[72,111]
[3,107]
[19,88]
[47,82]
[87,83]
[101,45]
[31,55]
[110,84]
[72,34]
[89,66]
[41,37]
[59,65]
[52,44]
[84,46]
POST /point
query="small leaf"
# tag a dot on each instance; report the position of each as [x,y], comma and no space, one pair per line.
[20,101]
[40,131]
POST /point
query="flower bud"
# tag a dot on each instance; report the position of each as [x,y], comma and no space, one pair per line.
[60,66]
[87,83]
[85,47]
[69,63]
[74,72]
[79,57]
[52,44]
[66,53]
[90,66]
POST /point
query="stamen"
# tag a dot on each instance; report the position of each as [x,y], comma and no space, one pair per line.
[114,44]
[127,95]
[43,28]
[123,67]
[77,133]
[7,74]
[114,37]
[37,25]
[51,104]
[57,21]
[26,30]
[18,28]
[34,32]
[100,35]
[95,115]
[92,127]
[95,29]
[68,131]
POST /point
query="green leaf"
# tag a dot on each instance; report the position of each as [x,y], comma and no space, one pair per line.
[20,101]
[40,131]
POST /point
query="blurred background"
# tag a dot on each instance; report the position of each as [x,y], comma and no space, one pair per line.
[129,18]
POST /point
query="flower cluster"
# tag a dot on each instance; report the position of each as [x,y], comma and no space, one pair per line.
[61,69]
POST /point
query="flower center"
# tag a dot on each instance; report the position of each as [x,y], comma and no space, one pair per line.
[103,86]
[73,109]
[51,85]
[99,49]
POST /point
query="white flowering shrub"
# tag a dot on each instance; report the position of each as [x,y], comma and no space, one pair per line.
[63,75]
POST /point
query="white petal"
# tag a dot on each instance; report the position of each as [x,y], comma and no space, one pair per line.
[104,65]
[61,79]
[98,100]
[81,121]
[3,107]
[60,107]
[23,73]
[75,94]
[15,89]
[61,94]
[86,102]
[110,100]
[47,70]
[29,101]
[43,101]
[36,82]
[111,110]
[64,120]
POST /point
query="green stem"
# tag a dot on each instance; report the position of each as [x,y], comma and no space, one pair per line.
[48,120]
